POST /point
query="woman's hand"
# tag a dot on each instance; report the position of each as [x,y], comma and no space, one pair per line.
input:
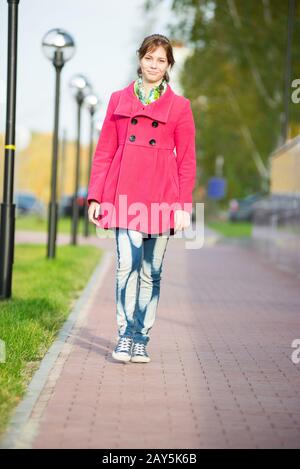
[182,219]
[94,212]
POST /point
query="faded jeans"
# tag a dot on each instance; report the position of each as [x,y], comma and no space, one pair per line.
[138,275]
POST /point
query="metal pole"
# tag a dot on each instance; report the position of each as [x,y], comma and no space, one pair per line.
[288,67]
[91,148]
[53,206]
[79,99]
[7,207]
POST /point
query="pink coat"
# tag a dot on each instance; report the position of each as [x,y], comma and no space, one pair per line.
[136,175]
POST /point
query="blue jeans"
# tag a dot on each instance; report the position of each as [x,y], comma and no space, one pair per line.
[138,275]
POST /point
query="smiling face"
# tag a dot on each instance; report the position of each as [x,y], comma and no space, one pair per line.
[154,65]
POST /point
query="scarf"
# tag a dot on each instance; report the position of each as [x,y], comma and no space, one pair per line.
[154,92]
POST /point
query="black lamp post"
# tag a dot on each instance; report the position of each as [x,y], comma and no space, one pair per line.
[58,47]
[80,85]
[91,102]
[7,207]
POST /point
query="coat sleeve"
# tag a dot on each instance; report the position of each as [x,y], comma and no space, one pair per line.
[184,138]
[104,153]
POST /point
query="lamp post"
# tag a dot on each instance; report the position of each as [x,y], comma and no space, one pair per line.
[58,46]
[91,101]
[7,207]
[81,87]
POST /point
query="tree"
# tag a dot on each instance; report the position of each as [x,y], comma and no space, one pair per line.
[235,79]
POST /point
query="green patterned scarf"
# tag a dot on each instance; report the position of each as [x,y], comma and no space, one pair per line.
[154,92]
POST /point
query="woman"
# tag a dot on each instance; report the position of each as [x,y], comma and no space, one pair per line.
[143,189]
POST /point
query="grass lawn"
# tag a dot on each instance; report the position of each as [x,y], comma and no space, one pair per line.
[64,224]
[231,229]
[43,292]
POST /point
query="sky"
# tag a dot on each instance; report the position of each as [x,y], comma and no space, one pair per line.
[107,34]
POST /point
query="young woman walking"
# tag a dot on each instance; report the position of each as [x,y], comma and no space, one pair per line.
[140,188]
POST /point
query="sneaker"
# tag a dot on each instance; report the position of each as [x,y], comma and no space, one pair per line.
[139,353]
[122,351]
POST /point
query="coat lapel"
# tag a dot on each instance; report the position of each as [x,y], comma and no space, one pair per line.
[130,106]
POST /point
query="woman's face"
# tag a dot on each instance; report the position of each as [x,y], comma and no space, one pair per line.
[154,65]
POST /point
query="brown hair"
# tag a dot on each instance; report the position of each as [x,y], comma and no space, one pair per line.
[152,42]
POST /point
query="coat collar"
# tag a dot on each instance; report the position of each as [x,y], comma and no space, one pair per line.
[129,105]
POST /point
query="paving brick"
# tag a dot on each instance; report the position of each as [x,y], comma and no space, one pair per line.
[220,374]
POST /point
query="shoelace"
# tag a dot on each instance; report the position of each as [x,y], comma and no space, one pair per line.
[139,349]
[124,344]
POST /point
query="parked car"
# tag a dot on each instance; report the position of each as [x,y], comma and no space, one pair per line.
[278,209]
[66,203]
[28,204]
[243,209]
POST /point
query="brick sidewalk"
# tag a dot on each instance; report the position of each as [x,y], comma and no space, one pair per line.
[221,375]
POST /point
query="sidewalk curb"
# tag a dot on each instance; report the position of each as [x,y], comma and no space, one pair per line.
[22,428]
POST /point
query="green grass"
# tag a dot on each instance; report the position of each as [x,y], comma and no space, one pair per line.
[43,291]
[231,229]
[34,223]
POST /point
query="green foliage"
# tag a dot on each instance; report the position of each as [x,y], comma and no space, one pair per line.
[232,229]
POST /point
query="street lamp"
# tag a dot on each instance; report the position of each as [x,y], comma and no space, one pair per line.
[91,102]
[7,207]
[81,88]
[58,46]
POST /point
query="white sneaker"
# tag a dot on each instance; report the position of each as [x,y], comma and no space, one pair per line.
[122,351]
[139,353]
